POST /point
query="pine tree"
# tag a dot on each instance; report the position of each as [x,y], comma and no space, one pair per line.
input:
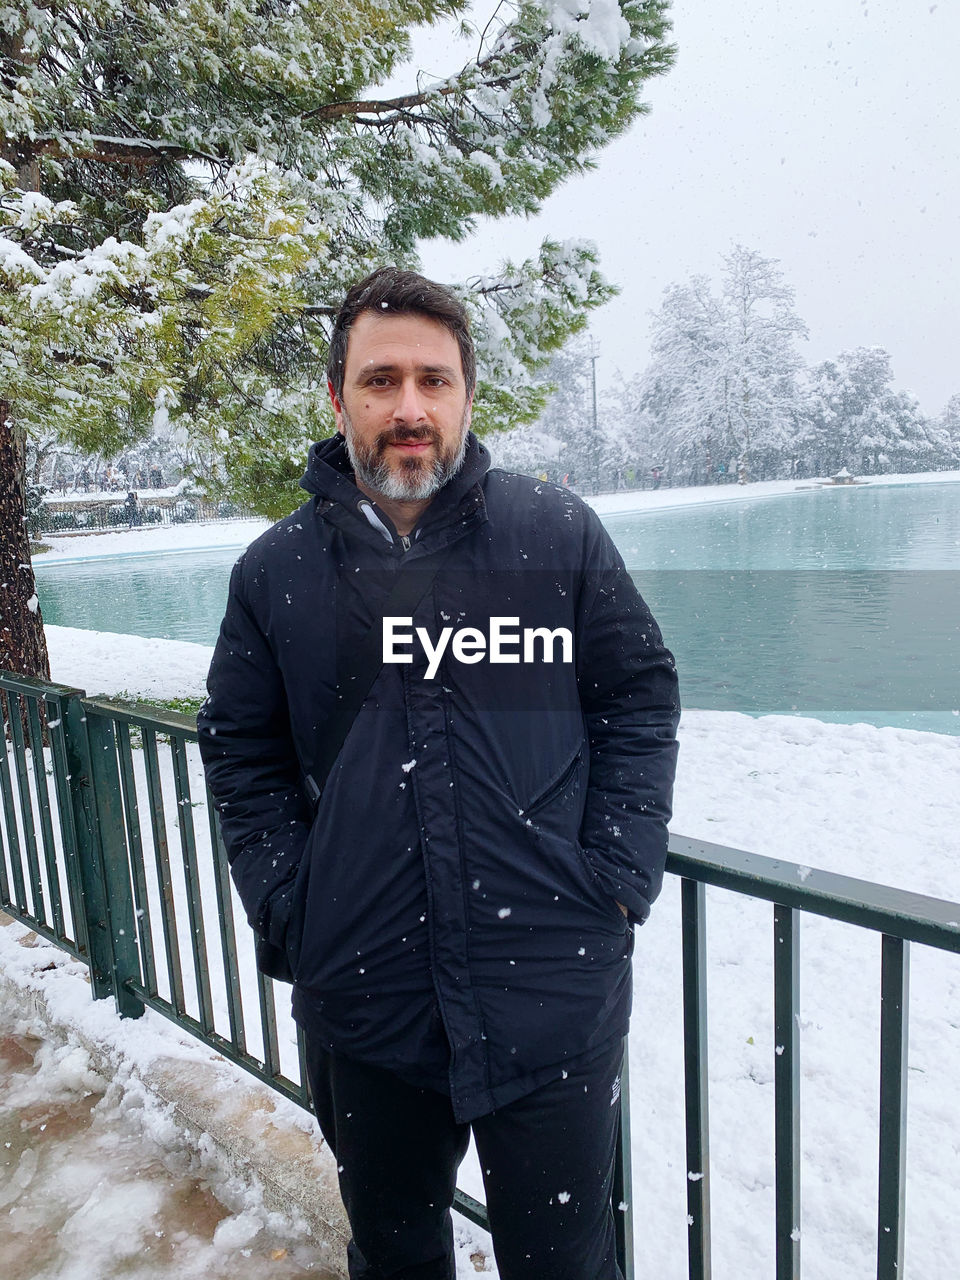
[187,190]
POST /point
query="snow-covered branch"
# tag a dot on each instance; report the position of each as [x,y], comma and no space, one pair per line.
[133,151]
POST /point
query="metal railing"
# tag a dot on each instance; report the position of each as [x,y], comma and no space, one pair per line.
[900,918]
[113,865]
[110,863]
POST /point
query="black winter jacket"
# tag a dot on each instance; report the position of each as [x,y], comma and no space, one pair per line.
[450,910]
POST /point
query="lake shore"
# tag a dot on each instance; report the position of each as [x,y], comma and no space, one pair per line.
[240,533]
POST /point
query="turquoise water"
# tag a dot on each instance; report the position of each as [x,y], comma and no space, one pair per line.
[173,596]
[842,604]
[878,527]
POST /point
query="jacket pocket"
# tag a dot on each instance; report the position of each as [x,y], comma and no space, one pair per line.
[555,787]
[595,880]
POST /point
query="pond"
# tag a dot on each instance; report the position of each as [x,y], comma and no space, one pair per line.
[842,604]
[169,595]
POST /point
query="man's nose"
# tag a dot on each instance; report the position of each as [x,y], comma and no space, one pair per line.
[409,405]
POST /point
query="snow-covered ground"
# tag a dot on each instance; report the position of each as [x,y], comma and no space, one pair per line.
[880,804]
[100,662]
[609,504]
[98,1181]
[151,539]
[56,498]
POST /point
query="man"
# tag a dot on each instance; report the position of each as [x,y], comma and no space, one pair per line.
[457,912]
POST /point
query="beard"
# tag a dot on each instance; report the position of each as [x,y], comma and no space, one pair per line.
[412,479]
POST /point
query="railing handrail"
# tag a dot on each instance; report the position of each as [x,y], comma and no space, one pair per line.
[145,714]
[16,683]
[900,913]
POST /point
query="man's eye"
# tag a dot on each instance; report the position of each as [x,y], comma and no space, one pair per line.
[381,380]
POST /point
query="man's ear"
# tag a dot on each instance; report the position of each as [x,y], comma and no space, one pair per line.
[337,407]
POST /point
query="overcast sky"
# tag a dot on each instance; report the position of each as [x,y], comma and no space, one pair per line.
[823,134]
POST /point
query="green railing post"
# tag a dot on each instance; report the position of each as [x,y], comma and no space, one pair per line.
[91,906]
[18,900]
[107,898]
[894,1017]
[67,813]
[693,910]
[786,1075]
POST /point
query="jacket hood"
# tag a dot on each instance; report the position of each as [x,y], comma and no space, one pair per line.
[330,477]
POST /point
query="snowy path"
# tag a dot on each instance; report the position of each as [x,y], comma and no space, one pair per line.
[97,1182]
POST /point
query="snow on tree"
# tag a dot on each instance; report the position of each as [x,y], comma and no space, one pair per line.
[188,189]
[721,386]
[855,418]
[545,444]
[566,441]
[946,431]
[632,431]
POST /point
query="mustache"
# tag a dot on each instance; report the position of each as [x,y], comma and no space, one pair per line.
[406,435]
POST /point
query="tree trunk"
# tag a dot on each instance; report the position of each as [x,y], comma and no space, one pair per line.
[23,647]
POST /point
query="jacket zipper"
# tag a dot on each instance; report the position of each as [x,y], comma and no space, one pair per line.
[404,541]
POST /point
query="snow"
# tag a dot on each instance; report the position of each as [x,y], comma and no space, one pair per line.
[114,495]
[625,501]
[147,541]
[599,24]
[17,265]
[137,667]
[97,1179]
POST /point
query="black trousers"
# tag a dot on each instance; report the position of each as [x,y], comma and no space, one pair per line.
[547,1162]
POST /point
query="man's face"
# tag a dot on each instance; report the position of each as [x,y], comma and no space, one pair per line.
[404,410]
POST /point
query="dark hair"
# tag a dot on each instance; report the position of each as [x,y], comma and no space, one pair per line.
[390,291]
